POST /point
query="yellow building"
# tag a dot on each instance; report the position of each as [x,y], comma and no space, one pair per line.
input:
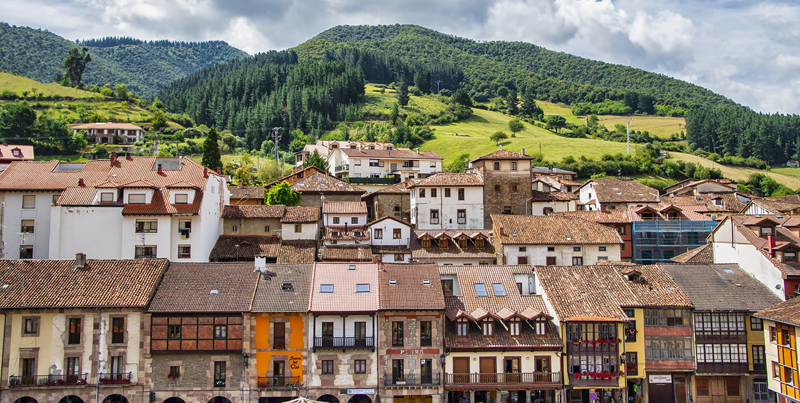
[781,336]
[73,329]
[279,321]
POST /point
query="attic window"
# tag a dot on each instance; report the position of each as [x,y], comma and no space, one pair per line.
[480,290]
[351,267]
[392,282]
[214,292]
[634,276]
[362,287]
[287,286]
[426,282]
[326,288]
[106,197]
[499,291]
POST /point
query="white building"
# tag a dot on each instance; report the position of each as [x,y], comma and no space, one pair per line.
[324,147]
[136,207]
[390,239]
[614,193]
[300,223]
[554,240]
[453,247]
[448,201]
[110,133]
[544,203]
[360,162]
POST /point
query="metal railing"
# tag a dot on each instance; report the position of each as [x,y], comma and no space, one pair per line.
[282,382]
[112,378]
[504,378]
[344,342]
[340,168]
[411,380]
[47,380]
[279,343]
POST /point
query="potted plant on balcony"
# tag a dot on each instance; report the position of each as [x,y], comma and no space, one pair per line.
[612,342]
[593,374]
[577,375]
[576,342]
[174,376]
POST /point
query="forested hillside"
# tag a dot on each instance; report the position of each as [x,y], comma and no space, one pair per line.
[143,66]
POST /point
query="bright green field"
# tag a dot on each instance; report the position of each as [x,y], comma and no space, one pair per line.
[787,176]
[661,126]
[550,108]
[18,84]
[377,104]
[472,136]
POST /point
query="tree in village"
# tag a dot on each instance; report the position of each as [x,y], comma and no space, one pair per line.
[158,121]
[497,137]
[402,93]
[211,157]
[516,126]
[316,160]
[555,122]
[282,194]
[75,63]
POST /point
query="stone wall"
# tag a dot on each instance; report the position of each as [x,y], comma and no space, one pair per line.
[196,381]
[384,205]
[314,199]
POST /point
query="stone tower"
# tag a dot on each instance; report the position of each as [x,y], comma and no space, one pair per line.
[507,183]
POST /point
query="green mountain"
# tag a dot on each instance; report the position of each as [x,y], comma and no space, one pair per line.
[524,67]
[143,66]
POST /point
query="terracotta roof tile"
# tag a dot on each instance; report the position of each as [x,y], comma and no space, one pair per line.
[453,251]
[721,287]
[105,125]
[344,297]
[260,211]
[25,152]
[346,253]
[397,188]
[286,288]
[245,247]
[614,190]
[206,287]
[298,252]
[344,207]
[160,205]
[450,179]
[539,196]
[58,284]
[782,235]
[779,205]
[701,255]
[551,230]
[785,312]
[398,282]
[325,183]
[246,192]
[503,155]
[615,216]
[301,214]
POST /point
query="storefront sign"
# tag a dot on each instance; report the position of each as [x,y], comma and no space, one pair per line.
[360,391]
[660,379]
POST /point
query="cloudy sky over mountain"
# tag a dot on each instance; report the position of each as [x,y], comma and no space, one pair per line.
[746,50]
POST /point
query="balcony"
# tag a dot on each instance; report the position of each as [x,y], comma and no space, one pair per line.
[279,343]
[551,379]
[47,380]
[341,168]
[114,378]
[278,382]
[411,380]
[387,180]
[344,343]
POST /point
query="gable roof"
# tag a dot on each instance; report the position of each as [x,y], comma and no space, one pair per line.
[614,190]
[398,282]
[701,255]
[503,155]
[324,183]
[614,216]
[189,287]
[785,312]
[450,179]
[7,152]
[246,192]
[778,205]
[397,188]
[33,284]
[388,217]
[344,207]
[271,296]
[303,251]
[105,125]
[783,236]
[301,214]
[259,211]
[238,247]
[344,297]
[539,196]
[721,287]
[551,230]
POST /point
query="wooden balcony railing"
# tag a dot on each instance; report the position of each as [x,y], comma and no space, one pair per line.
[411,380]
[522,378]
[278,382]
[47,380]
[344,343]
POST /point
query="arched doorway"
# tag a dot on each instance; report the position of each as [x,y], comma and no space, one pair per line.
[174,400]
[360,399]
[219,399]
[115,398]
[71,399]
[26,399]
[328,399]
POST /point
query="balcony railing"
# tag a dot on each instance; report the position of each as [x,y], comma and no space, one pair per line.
[341,168]
[278,382]
[522,378]
[411,380]
[279,343]
[47,380]
[344,342]
[388,180]
[114,378]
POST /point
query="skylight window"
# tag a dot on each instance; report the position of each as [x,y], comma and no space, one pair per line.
[326,288]
[480,289]
[426,282]
[499,291]
[362,287]
[351,267]
[287,286]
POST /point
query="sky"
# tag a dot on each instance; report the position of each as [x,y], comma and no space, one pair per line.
[745,50]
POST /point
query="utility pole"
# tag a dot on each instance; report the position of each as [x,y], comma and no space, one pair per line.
[276,138]
[437,85]
[629,135]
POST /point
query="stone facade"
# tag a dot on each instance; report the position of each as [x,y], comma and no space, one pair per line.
[253,226]
[314,199]
[392,205]
[196,382]
[505,190]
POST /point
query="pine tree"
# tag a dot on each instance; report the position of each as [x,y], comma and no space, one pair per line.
[402,93]
[316,160]
[211,157]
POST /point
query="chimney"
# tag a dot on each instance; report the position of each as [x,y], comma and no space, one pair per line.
[81,182]
[261,264]
[501,146]
[80,260]
[219,171]
[417,150]
[113,158]
[160,171]
[771,240]
[522,151]
[128,157]
[205,172]
[5,144]
[376,259]
[502,232]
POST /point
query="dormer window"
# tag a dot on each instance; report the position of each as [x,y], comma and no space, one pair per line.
[790,257]
[648,215]
[462,243]
[513,326]
[137,199]
[181,198]
[766,231]
[541,326]
[15,152]
[426,243]
[479,243]
[488,327]
[106,197]
[443,244]
[462,326]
